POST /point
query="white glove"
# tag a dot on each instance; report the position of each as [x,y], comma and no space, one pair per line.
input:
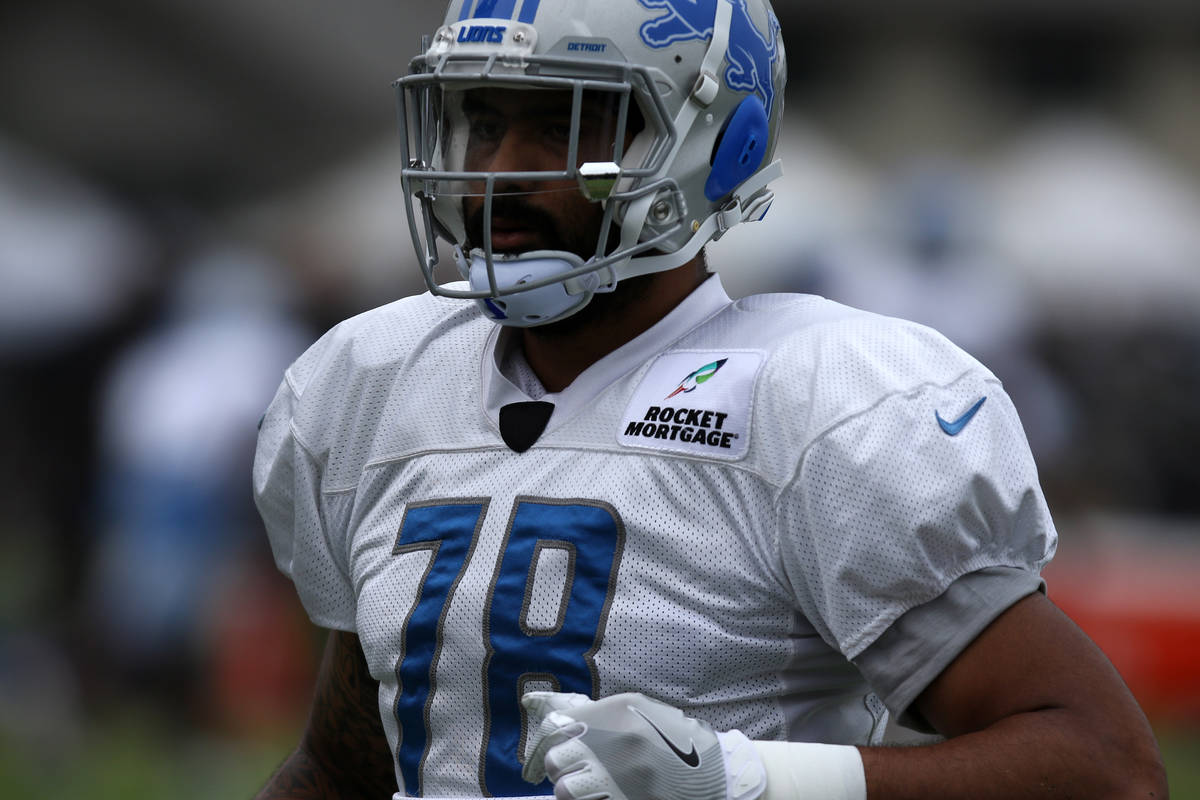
[629,747]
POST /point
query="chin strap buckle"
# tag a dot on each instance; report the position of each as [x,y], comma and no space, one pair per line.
[728,217]
[707,85]
[601,281]
[705,90]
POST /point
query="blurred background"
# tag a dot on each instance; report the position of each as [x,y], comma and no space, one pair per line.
[190,193]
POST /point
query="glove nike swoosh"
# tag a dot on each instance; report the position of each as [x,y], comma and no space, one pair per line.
[692,759]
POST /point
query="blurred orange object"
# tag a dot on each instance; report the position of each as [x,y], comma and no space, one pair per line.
[1133,585]
[262,655]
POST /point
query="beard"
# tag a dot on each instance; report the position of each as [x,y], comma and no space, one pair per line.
[604,309]
[571,233]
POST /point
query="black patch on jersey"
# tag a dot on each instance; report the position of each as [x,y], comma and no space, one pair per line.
[522,423]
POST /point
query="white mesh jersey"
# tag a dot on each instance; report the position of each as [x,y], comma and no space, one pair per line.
[752,512]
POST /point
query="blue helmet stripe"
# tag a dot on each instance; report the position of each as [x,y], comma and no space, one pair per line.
[495,9]
[466,10]
[529,11]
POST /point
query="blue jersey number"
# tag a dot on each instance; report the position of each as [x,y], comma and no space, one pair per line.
[592,532]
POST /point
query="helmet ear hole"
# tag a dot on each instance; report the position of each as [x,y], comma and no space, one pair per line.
[740,149]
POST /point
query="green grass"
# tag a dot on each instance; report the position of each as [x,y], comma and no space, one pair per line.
[1181,752]
[138,758]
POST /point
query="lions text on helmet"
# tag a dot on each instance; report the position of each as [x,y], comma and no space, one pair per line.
[556,152]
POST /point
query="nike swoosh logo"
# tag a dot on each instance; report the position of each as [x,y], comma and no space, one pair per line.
[692,759]
[955,428]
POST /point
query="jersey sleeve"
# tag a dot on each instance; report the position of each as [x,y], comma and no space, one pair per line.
[287,491]
[923,641]
[893,506]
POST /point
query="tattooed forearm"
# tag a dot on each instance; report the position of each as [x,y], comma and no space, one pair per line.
[344,753]
[345,720]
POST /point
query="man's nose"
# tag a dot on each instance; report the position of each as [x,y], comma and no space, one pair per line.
[515,153]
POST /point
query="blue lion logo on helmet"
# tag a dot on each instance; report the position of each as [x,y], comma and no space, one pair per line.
[752,55]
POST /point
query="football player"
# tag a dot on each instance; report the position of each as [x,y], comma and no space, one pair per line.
[583,526]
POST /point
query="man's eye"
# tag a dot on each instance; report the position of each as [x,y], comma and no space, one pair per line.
[488,130]
[558,132]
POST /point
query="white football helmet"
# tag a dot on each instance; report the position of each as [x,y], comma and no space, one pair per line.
[670,117]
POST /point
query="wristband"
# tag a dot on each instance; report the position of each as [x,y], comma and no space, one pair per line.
[808,771]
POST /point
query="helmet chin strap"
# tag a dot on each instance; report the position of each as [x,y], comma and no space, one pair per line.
[734,213]
[704,91]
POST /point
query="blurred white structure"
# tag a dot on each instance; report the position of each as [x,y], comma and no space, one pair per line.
[1099,224]
[177,432]
[70,260]
[824,196]
[344,233]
